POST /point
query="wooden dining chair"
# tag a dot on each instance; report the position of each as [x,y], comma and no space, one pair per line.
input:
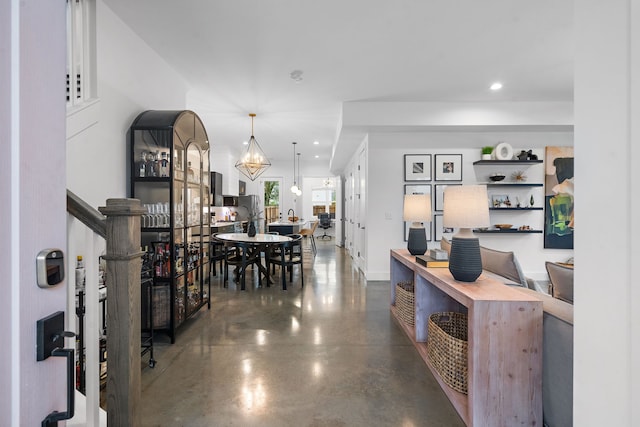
[289,254]
[310,232]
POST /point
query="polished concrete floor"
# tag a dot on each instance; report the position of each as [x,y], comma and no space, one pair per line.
[329,354]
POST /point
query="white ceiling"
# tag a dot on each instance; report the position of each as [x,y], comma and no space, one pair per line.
[237,55]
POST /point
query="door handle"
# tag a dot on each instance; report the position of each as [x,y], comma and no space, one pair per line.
[53,418]
[50,342]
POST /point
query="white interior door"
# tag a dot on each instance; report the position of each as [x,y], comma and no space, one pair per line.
[360,201]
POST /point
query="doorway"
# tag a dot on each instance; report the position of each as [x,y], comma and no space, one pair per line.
[270,189]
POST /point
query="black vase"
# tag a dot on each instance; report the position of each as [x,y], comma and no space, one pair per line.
[465,261]
[251,231]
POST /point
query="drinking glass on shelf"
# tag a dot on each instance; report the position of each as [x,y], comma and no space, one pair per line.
[166,213]
[153,212]
[145,216]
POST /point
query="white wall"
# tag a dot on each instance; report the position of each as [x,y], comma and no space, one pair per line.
[607,296]
[386,188]
[222,160]
[132,78]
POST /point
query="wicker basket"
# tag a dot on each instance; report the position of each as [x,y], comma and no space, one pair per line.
[405,302]
[447,348]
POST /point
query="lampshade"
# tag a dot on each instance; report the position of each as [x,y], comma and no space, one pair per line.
[417,209]
[253,162]
[465,207]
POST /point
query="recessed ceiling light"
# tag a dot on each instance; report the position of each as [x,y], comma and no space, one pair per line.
[496,86]
[245,142]
[315,143]
[317,157]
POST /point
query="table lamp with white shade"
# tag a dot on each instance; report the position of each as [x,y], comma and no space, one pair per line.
[465,207]
[417,209]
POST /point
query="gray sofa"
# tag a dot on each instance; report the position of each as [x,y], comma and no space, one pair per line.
[557,346]
[500,263]
[561,277]
[557,360]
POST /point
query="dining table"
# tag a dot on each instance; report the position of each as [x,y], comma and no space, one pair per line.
[259,243]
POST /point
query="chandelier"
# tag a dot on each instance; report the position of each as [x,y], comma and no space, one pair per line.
[253,162]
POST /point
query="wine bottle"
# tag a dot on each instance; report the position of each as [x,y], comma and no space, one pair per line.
[149,165]
[142,165]
[164,165]
[80,273]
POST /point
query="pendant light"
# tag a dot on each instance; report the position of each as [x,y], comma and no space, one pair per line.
[299,192]
[294,187]
[253,162]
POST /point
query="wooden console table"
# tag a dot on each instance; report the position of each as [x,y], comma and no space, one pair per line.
[504,341]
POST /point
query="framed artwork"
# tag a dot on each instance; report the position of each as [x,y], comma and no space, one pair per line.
[439,205]
[417,189]
[558,198]
[448,167]
[417,167]
[439,230]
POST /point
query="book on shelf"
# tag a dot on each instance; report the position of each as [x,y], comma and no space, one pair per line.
[429,262]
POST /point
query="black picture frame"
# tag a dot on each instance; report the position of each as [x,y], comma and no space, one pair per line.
[417,167]
[439,196]
[439,230]
[448,167]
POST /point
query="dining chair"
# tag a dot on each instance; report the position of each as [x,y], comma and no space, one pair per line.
[217,255]
[289,254]
[241,255]
[310,232]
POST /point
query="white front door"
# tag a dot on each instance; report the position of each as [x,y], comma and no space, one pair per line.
[32,202]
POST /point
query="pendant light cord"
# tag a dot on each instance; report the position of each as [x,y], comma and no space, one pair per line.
[298,168]
[294,163]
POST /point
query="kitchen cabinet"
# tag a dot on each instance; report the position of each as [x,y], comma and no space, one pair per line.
[286,227]
[216,189]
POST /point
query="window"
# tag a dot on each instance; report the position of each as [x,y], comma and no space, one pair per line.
[324,200]
[81,70]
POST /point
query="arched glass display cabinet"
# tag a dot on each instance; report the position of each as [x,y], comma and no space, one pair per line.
[169,170]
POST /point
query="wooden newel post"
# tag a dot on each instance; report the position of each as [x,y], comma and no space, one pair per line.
[123,260]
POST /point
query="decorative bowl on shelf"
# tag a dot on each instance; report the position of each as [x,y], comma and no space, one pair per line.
[503,226]
[495,177]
